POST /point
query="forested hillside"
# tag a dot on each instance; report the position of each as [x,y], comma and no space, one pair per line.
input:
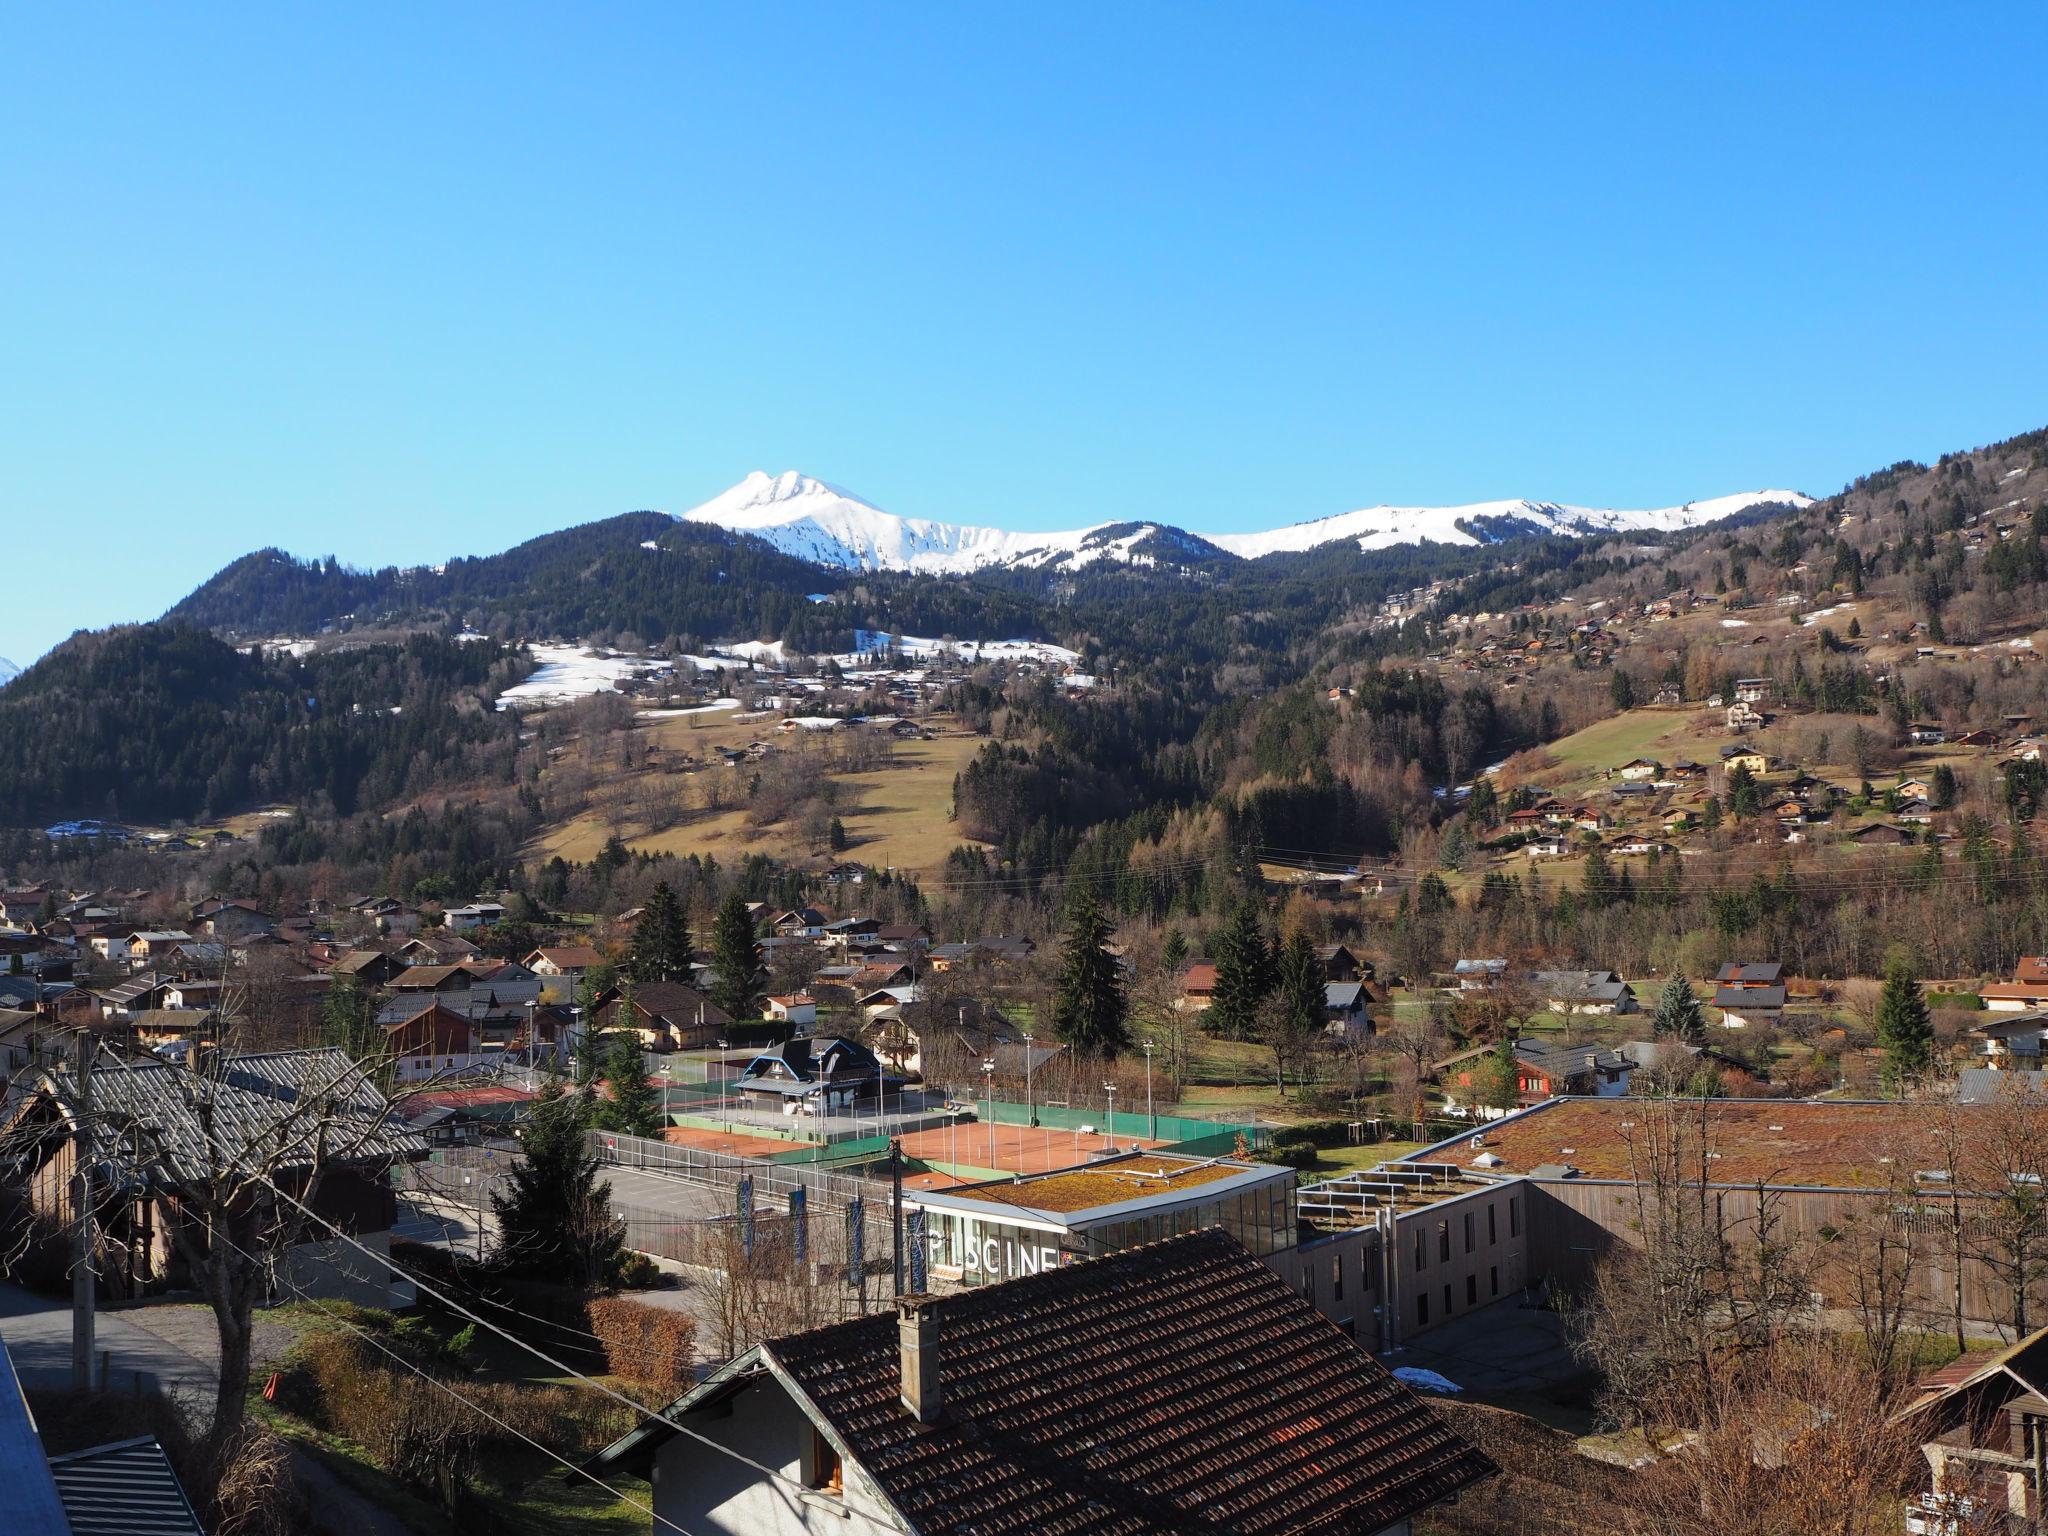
[163,721]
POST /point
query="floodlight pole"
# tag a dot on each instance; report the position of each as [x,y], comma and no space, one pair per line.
[1152,1120]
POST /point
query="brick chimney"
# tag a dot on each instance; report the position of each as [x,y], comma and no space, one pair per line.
[917,1330]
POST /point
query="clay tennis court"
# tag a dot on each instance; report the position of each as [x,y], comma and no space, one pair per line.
[728,1142]
[1017,1148]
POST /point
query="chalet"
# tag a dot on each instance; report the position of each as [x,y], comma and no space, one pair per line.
[1983,1424]
[1913,789]
[219,918]
[797,1009]
[561,969]
[145,945]
[264,1097]
[1744,756]
[426,1039]
[814,1076]
[1879,835]
[1754,690]
[1599,992]
[1978,738]
[1476,975]
[933,1420]
[1745,717]
[1926,733]
[436,946]
[1549,846]
[665,1015]
[1915,810]
[1685,770]
[1346,1009]
[478,914]
[1640,847]
[2013,1040]
[1746,1005]
[1340,964]
[1544,1070]
[367,967]
[799,923]
[1641,768]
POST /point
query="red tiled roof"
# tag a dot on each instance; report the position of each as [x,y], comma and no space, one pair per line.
[1174,1387]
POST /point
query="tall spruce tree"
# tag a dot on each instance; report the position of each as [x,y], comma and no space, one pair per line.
[1905,1032]
[1243,974]
[661,940]
[1089,1007]
[556,1221]
[735,956]
[635,1106]
[1679,1015]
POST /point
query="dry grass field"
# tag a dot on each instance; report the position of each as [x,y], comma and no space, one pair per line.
[896,816]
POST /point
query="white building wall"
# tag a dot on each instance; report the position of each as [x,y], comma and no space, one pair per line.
[712,1495]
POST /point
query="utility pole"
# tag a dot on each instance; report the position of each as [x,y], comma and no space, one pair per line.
[82,1244]
[896,1208]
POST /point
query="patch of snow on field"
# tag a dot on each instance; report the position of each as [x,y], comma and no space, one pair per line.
[1735,623]
[716,706]
[570,672]
[871,643]
[1823,613]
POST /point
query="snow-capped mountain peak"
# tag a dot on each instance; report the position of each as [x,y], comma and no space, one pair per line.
[828,525]
[8,671]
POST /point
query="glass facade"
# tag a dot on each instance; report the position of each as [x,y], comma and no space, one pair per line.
[979,1250]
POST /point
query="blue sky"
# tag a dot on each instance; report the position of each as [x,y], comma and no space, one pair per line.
[400,283]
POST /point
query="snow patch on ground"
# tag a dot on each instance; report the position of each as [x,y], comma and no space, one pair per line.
[871,643]
[1735,623]
[716,706]
[571,672]
[1425,1380]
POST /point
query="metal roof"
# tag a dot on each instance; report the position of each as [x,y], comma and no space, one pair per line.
[124,1489]
[263,1103]
[31,1501]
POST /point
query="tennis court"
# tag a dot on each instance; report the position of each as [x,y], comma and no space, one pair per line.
[728,1142]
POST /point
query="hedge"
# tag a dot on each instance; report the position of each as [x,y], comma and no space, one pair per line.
[650,1345]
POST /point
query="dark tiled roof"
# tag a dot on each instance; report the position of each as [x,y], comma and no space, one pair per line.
[1176,1387]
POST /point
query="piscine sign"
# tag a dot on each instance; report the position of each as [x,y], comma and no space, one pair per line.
[1001,1258]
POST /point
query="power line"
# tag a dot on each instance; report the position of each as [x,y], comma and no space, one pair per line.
[469,1403]
[542,1355]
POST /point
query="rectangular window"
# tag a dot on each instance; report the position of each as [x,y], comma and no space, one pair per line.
[1422,1311]
[1514,1216]
[1308,1280]
[1443,1241]
[1337,1278]
[1492,1226]
[1419,1259]
[1367,1257]
[1447,1301]
[1471,1290]
[1468,1231]
[822,1470]
[1493,1277]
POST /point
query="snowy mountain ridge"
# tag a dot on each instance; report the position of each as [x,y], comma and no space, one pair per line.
[827,525]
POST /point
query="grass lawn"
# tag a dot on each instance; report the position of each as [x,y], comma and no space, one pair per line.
[1634,733]
[1331,1161]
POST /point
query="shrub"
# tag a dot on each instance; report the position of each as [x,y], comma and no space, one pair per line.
[650,1345]
[636,1272]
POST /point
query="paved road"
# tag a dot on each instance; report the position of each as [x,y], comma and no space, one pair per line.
[173,1359]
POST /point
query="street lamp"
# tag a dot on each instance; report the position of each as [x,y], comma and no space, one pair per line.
[1152,1120]
[1110,1089]
[988,1073]
[1030,1109]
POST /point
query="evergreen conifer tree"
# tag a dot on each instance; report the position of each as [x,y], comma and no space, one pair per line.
[635,1105]
[1679,1015]
[1089,1008]
[1243,974]
[661,940]
[1905,1032]
[556,1221]
[735,956]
